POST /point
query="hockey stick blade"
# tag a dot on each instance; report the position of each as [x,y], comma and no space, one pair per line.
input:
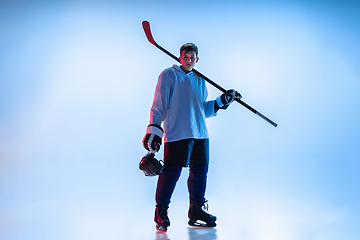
[146,27]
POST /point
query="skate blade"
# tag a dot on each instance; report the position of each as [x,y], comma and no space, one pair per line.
[199,223]
[161,228]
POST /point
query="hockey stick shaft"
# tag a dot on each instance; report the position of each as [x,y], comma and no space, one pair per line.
[238,100]
[146,27]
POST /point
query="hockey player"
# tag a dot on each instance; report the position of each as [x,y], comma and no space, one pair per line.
[180,106]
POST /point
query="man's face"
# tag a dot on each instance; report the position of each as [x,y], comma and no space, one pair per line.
[188,60]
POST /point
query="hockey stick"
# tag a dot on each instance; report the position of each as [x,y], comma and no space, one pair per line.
[146,27]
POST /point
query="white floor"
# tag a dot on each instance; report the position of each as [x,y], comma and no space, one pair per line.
[193,234]
[92,214]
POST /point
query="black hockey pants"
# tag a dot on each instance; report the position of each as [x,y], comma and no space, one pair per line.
[194,152]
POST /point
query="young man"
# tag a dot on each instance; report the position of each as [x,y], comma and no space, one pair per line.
[180,105]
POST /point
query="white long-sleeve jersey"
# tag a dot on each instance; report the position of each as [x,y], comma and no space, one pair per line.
[180,104]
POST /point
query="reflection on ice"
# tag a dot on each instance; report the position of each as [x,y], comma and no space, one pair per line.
[161,236]
[202,233]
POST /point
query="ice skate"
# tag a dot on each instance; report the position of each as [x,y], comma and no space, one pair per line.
[161,219]
[197,213]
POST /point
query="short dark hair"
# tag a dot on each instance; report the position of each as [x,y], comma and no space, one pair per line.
[188,47]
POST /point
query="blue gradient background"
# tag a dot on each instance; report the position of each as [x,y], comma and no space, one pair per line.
[76,85]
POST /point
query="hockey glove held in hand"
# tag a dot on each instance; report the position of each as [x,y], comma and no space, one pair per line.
[152,139]
[224,100]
